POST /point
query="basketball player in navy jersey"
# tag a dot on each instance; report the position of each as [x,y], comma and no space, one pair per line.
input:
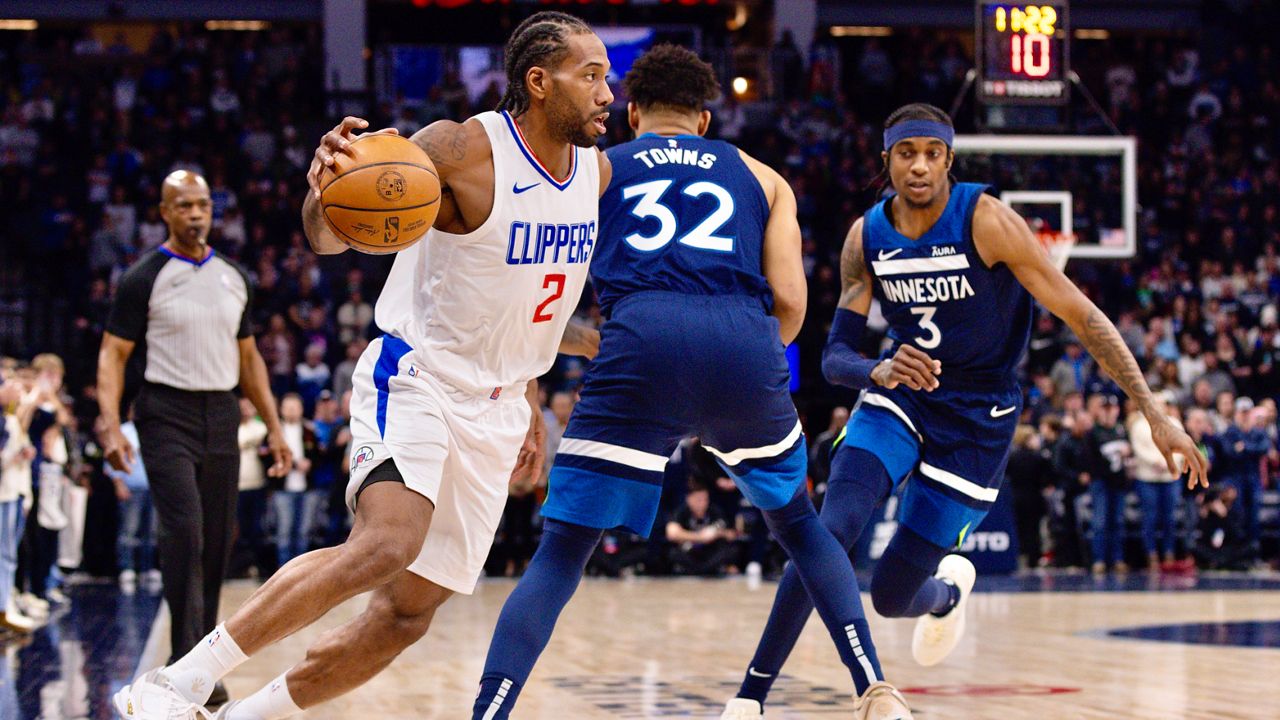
[955,271]
[698,271]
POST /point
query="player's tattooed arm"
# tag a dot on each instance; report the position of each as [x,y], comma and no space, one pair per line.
[446,143]
[1002,236]
[463,159]
[855,281]
[580,339]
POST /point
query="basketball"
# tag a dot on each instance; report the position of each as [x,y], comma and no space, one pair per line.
[382,196]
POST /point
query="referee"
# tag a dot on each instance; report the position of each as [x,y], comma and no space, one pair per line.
[188,310]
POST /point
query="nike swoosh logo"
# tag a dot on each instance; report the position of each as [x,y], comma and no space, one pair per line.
[517,189]
[886,255]
[996,412]
[752,672]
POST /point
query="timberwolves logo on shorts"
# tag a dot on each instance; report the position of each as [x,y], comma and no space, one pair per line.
[362,456]
[391,229]
[391,186]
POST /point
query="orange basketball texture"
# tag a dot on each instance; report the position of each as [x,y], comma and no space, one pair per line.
[381,197]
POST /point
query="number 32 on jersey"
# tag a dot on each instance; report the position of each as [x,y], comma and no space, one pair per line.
[651,206]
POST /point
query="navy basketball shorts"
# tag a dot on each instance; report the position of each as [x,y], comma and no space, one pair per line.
[670,366]
[953,444]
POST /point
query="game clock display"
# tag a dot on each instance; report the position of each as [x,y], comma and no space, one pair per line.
[1022,53]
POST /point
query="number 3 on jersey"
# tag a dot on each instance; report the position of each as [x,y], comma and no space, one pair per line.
[553,279]
[934,338]
[703,236]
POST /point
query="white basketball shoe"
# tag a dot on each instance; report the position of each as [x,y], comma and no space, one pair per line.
[742,709]
[881,701]
[152,697]
[936,637]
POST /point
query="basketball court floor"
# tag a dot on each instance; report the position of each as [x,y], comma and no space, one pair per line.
[1041,647]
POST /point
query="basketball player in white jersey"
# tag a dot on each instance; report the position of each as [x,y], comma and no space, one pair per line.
[444,404]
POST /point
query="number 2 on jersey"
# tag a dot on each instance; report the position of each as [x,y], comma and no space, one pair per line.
[540,314]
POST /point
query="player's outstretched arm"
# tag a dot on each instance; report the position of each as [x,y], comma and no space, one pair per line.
[842,364]
[783,261]
[1002,236]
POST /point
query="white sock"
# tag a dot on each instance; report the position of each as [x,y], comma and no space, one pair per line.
[270,703]
[209,661]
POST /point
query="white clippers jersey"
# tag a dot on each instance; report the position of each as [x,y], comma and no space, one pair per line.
[486,310]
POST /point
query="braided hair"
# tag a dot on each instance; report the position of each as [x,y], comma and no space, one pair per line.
[539,41]
[910,111]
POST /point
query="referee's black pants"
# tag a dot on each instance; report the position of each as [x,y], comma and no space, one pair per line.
[192,457]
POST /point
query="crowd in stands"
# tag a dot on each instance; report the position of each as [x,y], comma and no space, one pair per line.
[89,128]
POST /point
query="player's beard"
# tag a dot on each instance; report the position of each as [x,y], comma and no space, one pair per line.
[569,123]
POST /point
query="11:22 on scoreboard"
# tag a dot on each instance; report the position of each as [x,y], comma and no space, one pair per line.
[1028,53]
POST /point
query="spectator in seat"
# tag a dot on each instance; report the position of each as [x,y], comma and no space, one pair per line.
[700,535]
[278,350]
[312,375]
[346,369]
[820,452]
[1072,369]
[354,317]
[1222,545]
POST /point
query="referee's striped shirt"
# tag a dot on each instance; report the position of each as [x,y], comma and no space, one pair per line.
[187,317]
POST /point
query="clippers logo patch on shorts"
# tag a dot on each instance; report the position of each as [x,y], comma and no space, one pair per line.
[496,392]
[362,456]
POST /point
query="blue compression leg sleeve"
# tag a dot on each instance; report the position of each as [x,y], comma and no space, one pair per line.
[858,483]
[903,584]
[827,576]
[530,613]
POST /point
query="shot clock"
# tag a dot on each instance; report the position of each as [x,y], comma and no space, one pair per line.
[1023,53]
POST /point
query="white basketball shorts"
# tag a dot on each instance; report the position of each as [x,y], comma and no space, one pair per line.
[457,449]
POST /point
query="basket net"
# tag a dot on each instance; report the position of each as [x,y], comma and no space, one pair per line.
[1058,245]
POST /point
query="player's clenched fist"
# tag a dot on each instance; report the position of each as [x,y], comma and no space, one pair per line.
[909,366]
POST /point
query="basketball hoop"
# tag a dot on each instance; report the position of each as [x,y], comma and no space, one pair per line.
[1058,245]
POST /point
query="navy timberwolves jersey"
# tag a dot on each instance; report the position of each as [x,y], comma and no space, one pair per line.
[682,214]
[937,294]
